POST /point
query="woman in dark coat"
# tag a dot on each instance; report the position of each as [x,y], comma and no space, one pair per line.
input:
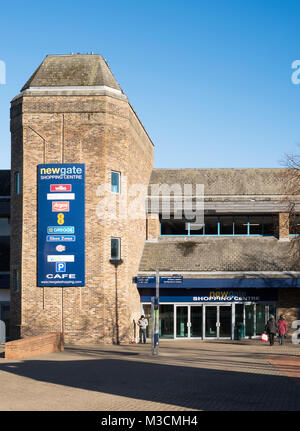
[271,329]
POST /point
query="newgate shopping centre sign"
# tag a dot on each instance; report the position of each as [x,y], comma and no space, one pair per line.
[61,255]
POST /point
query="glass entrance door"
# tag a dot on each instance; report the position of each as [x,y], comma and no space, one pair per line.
[218,321]
[196,321]
[211,322]
[189,321]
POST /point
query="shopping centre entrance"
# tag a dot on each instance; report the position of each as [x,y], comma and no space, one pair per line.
[211,321]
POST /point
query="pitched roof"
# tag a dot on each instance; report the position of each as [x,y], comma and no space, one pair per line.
[220,254]
[224,181]
[72,70]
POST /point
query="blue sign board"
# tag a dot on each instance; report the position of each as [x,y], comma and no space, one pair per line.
[210,295]
[172,279]
[61,215]
[220,283]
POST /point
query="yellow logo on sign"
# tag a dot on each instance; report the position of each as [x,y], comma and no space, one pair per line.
[60,218]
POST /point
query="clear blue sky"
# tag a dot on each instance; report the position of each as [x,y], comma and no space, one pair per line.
[210,80]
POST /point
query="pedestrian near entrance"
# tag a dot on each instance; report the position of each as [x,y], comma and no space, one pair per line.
[143,323]
[271,329]
[281,325]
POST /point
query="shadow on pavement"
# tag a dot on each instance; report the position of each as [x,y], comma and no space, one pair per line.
[190,387]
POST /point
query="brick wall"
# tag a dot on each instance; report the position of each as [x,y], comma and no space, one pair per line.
[102,131]
[39,345]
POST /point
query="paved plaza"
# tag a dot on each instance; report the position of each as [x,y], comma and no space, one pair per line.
[187,375]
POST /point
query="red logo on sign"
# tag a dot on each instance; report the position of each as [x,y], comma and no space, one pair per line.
[60,188]
[60,206]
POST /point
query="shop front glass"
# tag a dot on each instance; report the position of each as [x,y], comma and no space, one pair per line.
[181,321]
[196,321]
[225,321]
[260,318]
[210,321]
[249,320]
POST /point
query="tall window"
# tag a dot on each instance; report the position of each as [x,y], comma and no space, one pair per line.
[115,181]
[16,280]
[115,248]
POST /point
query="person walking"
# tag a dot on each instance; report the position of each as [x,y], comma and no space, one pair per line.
[282,328]
[142,323]
[271,329]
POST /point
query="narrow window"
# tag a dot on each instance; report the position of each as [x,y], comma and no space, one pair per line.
[17,183]
[115,248]
[16,280]
[115,182]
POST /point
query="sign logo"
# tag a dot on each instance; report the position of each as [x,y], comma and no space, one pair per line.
[61,206]
[60,229]
[61,238]
[60,196]
[60,267]
[60,248]
[60,187]
[62,258]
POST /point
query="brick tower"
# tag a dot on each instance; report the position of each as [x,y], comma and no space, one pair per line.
[72,110]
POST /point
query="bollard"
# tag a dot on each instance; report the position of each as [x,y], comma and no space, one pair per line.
[2,332]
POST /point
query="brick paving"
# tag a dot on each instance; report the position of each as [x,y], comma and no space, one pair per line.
[187,375]
[289,365]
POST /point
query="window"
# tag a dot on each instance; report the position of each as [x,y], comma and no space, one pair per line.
[226,225]
[256,225]
[17,183]
[115,182]
[4,253]
[115,248]
[269,225]
[211,225]
[4,227]
[16,280]
[241,225]
[173,227]
[295,224]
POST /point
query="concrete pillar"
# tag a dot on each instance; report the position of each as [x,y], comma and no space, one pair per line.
[284,226]
[153,226]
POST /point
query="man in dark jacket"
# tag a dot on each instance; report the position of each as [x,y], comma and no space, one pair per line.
[271,329]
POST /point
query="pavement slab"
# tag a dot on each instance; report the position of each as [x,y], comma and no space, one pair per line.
[187,375]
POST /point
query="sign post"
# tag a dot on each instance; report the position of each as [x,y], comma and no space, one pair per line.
[152,324]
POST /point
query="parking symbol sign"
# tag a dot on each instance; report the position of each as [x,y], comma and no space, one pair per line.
[60,267]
